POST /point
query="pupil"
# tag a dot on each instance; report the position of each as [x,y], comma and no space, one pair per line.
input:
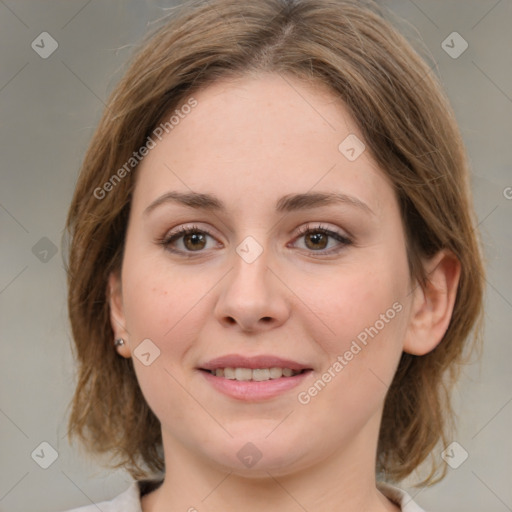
[317,239]
[191,241]
[195,238]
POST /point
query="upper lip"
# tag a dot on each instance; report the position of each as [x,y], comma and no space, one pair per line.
[253,362]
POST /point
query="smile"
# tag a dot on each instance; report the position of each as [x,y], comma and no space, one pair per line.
[256,374]
[253,378]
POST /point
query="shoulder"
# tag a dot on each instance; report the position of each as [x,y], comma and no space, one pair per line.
[399,497]
[127,501]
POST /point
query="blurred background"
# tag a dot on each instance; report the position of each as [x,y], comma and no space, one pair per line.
[59,60]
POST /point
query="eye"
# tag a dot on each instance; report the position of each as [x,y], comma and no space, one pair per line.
[191,239]
[317,239]
[187,240]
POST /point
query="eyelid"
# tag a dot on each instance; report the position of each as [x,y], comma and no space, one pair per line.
[312,226]
[181,231]
[343,239]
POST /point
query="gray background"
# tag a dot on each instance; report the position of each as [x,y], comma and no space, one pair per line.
[48,111]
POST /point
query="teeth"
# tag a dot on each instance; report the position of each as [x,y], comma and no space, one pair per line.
[276,373]
[258,374]
[243,374]
[229,373]
[261,374]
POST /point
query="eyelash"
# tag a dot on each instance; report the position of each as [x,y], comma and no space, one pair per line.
[344,240]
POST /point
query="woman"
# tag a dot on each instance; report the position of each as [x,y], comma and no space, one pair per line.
[274,271]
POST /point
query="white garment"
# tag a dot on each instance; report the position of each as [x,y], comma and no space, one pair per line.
[129,500]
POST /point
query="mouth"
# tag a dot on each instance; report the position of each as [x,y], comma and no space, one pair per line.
[257,374]
[253,378]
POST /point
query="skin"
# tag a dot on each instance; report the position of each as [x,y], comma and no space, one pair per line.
[249,142]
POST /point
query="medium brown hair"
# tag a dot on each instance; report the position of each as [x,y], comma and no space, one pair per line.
[410,130]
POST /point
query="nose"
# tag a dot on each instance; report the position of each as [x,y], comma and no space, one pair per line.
[253,298]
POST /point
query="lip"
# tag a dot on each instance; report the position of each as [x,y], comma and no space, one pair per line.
[253,362]
[253,391]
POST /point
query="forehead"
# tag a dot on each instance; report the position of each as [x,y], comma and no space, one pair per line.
[257,139]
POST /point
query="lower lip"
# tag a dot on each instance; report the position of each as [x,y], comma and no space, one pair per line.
[252,391]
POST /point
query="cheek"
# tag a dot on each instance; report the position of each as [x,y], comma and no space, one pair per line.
[366,312]
[158,297]
[366,308]
[163,305]
[359,302]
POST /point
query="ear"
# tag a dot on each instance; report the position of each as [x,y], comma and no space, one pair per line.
[432,304]
[117,318]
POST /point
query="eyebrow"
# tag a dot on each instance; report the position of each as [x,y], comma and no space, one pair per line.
[288,203]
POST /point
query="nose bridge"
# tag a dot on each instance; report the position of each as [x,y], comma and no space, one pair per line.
[249,280]
[251,296]
[251,258]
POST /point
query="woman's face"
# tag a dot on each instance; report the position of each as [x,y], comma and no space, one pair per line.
[270,277]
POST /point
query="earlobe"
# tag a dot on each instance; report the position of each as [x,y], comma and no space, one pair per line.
[432,304]
[117,317]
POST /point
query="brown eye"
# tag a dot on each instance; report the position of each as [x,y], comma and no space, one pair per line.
[316,240]
[186,240]
[194,241]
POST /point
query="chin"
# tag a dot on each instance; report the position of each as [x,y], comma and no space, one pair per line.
[256,456]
